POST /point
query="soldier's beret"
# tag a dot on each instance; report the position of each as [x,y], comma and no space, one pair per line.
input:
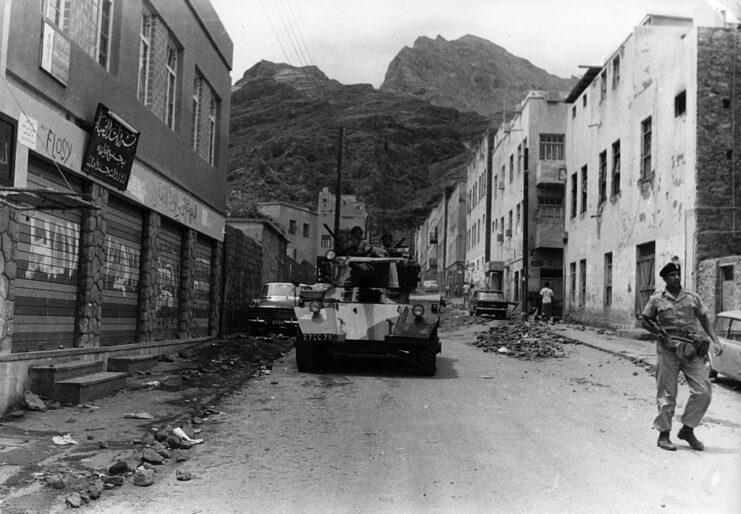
[672,266]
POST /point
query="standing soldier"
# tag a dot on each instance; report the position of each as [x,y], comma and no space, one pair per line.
[670,315]
[466,292]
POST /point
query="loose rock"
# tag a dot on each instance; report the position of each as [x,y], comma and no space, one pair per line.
[73,500]
[183,475]
[33,402]
[144,477]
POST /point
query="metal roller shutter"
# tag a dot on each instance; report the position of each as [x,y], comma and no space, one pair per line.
[168,278]
[48,257]
[121,286]
[202,286]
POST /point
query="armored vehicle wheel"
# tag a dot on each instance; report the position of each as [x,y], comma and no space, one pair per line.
[305,358]
[427,361]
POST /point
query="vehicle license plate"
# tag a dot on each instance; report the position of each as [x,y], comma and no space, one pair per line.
[329,338]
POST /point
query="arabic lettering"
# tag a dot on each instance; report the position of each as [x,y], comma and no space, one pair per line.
[109,129]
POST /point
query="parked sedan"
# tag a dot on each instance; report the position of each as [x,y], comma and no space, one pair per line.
[273,309]
[726,360]
[489,302]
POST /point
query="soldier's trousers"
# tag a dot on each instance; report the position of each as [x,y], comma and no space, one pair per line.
[668,366]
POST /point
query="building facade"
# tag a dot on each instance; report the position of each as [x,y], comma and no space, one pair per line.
[114,130]
[299,226]
[528,170]
[478,180]
[454,239]
[652,169]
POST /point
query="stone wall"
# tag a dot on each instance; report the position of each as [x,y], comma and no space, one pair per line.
[243,278]
[718,207]
[8,245]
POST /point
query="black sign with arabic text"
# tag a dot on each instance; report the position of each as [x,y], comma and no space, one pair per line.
[111,149]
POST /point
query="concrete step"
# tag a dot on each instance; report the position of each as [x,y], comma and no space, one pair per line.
[88,387]
[132,363]
[42,378]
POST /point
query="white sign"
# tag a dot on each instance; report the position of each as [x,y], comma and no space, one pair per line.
[27,130]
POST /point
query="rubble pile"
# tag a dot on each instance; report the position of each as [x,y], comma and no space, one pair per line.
[523,340]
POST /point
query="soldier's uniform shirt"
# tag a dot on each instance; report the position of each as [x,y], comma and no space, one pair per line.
[678,314]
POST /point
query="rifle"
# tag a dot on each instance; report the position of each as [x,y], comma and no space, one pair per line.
[699,343]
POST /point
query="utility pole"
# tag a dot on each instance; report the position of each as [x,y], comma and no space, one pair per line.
[338,190]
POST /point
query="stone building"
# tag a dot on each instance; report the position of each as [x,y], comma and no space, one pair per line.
[528,168]
[113,138]
[352,214]
[274,244]
[454,239]
[299,225]
[652,169]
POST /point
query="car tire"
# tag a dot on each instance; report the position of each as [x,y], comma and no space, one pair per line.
[305,355]
[427,361]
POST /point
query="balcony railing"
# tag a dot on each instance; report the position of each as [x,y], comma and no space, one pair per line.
[550,173]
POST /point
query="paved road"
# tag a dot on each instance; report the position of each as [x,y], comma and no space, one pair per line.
[488,433]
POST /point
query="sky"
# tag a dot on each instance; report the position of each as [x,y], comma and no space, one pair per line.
[353,41]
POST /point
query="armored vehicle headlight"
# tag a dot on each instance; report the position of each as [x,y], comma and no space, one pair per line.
[330,254]
[418,310]
[315,306]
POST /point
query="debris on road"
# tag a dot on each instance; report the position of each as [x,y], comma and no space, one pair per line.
[183,475]
[63,440]
[32,401]
[522,340]
[138,415]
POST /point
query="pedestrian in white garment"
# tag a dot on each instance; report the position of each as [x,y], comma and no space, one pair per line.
[670,315]
[546,301]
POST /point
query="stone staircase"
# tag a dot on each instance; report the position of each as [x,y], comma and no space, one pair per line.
[79,382]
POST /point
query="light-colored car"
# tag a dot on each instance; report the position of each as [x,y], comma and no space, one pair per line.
[273,309]
[726,360]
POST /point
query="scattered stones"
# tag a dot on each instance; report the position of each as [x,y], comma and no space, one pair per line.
[55,481]
[183,475]
[15,414]
[151,456]
[522,340]
[144,477]
[31,401]
[115,480]
[120,467]
[95,490]
[73,500]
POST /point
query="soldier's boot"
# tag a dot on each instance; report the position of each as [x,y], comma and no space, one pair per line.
[687,433]
[664,442]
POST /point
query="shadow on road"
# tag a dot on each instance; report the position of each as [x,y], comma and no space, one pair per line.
[385,366]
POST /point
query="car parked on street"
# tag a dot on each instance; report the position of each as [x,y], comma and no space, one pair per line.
[273,309]
[490,302]
[726,359]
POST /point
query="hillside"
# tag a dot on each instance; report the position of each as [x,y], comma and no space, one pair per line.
[468,74]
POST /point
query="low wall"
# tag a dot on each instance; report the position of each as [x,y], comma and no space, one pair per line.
[14,367]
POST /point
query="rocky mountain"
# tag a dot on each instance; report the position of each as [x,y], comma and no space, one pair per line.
[403,143]
[468,74]
[284,141]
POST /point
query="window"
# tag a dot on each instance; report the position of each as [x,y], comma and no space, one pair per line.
[145,49]
[525,156]
[105,19]
[291,226]
[680,104]
[572,276]
[501,225]
[519,159]
[504,174]
[171,66]
[615,71]
[603,176]
[608,279]
[583,189]
[584,100]
[195,130]
[573,195]
[306,230]
[517,216]
[212,132]
[511,167]
[509,225]
[573,112]
[616,167]
[58,12]
[551,147]
[582,282]
[603,86]
[326,242]
[646,149]
[496,185]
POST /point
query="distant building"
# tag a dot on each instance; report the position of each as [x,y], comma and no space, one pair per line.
[454,241]
[478,176]
[352,214]
[114,122]
[274,245]
[529,169]
[652,164]
[299,225]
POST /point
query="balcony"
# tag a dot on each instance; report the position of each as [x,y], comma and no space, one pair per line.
[549,223]
[550,173]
